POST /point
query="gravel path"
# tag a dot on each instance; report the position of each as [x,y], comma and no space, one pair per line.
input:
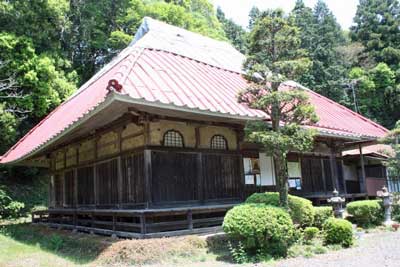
[373,250]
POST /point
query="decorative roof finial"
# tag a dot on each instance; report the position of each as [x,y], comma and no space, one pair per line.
[113,85]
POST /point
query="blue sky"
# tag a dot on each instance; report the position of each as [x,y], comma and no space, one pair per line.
[238,10]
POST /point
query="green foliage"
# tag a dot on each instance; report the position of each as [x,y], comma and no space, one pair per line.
[393,163]
[274,45]
[396,207]
[8,123]
[274,55]
[365,212]
[378,93]
[8,207]
[260,229]
[320,37]
[310,233]
[300,209]
[234,32]
[321,214]
[307,251]
[338,231]
[377,27]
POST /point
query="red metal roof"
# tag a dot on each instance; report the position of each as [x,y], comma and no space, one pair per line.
[156,76]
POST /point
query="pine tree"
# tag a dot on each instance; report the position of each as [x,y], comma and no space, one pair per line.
[274,56]
[377,27]
[234,32]
[320,37]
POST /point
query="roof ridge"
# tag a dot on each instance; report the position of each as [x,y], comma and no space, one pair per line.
[199,61]
[145,28]
[342,107]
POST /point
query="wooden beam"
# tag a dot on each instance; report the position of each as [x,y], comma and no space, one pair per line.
[363,185]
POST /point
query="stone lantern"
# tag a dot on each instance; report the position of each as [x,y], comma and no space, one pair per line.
[387,204]
[337,204]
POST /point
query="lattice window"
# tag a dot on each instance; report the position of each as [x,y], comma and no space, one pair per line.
[219,142]
[173,138]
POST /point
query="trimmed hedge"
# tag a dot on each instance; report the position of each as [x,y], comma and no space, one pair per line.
[338,232]
[310,233]
[301,210]
[260,229]
[365,212]
[321,214]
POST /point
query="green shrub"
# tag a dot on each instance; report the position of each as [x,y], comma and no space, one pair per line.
[338,232]
[321,214]
[396,207]
[8,207]
[300,209]
[365,212]
[259,229]
[310,233]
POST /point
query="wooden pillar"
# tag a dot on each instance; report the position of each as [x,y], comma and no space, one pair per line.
[119,183]
[200,178]
[147,177]
[197,133]
[95,193]
[344,179]
[75,187]
[143,229]
[190,220]
[363,185]
[242,178]
[333,163]
[323,175]
[63,187]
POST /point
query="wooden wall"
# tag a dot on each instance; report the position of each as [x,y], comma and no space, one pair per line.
[109,169]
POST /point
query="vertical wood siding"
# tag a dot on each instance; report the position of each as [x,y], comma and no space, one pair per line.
[222,178]
[107,182]
[132,179]
[69,185]
[174,176]
[85,186]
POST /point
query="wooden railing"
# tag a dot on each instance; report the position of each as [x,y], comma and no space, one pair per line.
[136,223]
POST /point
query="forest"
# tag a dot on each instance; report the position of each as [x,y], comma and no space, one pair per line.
[48,48]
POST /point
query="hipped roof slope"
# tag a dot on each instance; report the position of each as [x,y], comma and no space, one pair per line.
[173,68]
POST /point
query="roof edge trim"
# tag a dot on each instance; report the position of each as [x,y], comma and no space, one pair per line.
[105,103]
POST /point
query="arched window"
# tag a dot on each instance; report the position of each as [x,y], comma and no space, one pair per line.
[173,138]
[219,142]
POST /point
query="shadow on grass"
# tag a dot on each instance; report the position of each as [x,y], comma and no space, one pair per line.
[75,247]
[218,245]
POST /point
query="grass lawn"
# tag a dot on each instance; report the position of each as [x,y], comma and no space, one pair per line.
[24,245]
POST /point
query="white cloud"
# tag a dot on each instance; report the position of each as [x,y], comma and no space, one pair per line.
[238,10]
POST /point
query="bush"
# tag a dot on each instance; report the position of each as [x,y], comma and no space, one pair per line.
[300,209]
[8,207]
[338,232]
[396,207]
[259,229]
[310,233]
[321,214]
[365,212]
